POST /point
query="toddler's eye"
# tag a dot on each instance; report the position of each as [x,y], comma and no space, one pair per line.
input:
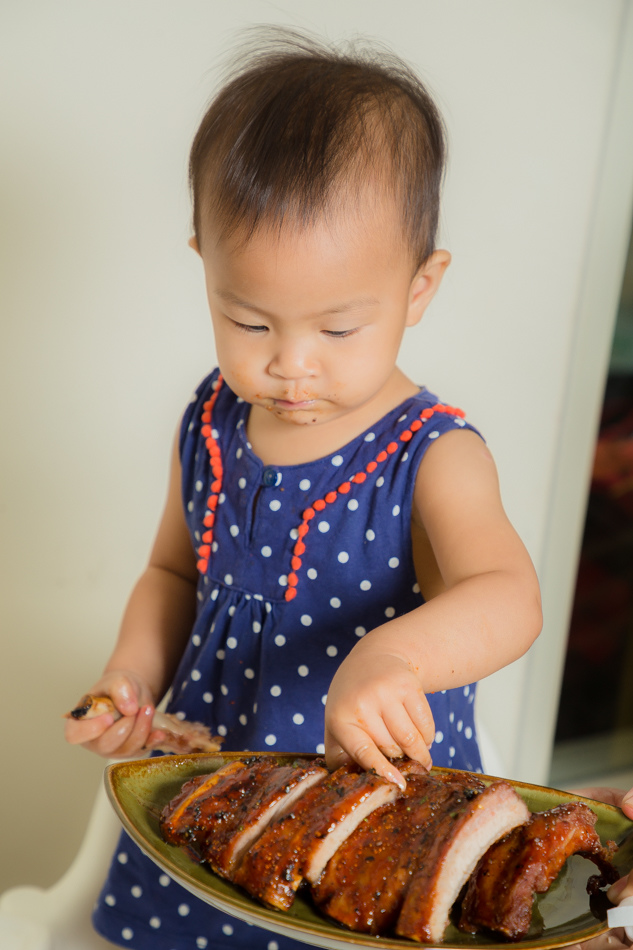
[339,334]
[248,328]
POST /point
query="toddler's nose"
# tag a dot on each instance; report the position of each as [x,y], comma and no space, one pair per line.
[292,361]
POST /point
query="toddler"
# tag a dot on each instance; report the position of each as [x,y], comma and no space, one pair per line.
[333,570]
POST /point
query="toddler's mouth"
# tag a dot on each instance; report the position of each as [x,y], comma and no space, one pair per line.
[293,404]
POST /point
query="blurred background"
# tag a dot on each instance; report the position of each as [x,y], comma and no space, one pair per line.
[104,333]
[594,729]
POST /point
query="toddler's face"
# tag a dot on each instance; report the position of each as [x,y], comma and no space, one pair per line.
[308,322]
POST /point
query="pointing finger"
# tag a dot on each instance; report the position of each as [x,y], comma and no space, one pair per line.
[363,750]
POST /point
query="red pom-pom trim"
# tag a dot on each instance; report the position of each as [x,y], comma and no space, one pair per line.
[206,430]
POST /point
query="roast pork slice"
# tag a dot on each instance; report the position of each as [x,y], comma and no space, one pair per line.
[299,844]
[220,816]
[461,836]
[525,862]
[365,882]
[181,820]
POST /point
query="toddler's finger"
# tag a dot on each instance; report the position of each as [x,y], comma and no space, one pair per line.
[363,750]
[378,732]
[112,742]
[407,737]
[124,697]
[136,738]
[79,732]
[421,716]
[126,736]
[335,755]
[373,727]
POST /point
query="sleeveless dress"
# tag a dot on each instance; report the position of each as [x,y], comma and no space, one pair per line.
[295,564]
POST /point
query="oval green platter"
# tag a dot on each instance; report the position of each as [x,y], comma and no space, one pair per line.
[138,790]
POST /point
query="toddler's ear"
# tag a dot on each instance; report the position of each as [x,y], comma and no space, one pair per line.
[425,284]
[193,243]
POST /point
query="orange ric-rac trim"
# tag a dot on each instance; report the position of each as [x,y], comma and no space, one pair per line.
[215,456]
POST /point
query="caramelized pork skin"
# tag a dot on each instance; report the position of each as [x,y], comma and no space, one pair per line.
[298,844]
[526,862]
[364,884]
[218,817]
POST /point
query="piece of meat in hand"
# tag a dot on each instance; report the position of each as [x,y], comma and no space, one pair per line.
[180,735]
[525,862]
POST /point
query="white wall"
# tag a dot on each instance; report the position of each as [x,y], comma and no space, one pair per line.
[104,327]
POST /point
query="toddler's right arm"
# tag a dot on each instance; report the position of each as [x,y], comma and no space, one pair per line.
[154,631]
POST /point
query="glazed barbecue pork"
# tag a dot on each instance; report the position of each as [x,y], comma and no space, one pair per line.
[218,817]
[525,862]
[365,882]
[299,844]
[374,858]
[462,836]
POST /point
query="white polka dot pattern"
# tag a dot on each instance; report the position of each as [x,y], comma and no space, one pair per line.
[300,567]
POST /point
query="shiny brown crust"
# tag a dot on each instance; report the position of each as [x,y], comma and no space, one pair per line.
[525,863]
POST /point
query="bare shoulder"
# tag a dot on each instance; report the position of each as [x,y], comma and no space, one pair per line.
[458,465]
[458,503]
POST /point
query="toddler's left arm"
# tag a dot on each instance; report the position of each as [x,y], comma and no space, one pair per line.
[482,612]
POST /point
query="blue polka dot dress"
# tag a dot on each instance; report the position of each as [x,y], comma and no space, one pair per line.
[296,563]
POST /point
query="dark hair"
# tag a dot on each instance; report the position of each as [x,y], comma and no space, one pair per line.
[298,121]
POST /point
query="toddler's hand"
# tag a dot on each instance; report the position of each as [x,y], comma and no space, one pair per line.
[114,737]
[376,708]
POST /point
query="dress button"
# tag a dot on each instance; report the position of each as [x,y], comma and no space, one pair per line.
[270,476]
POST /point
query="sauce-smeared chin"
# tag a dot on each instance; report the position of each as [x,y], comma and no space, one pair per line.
[298,415]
